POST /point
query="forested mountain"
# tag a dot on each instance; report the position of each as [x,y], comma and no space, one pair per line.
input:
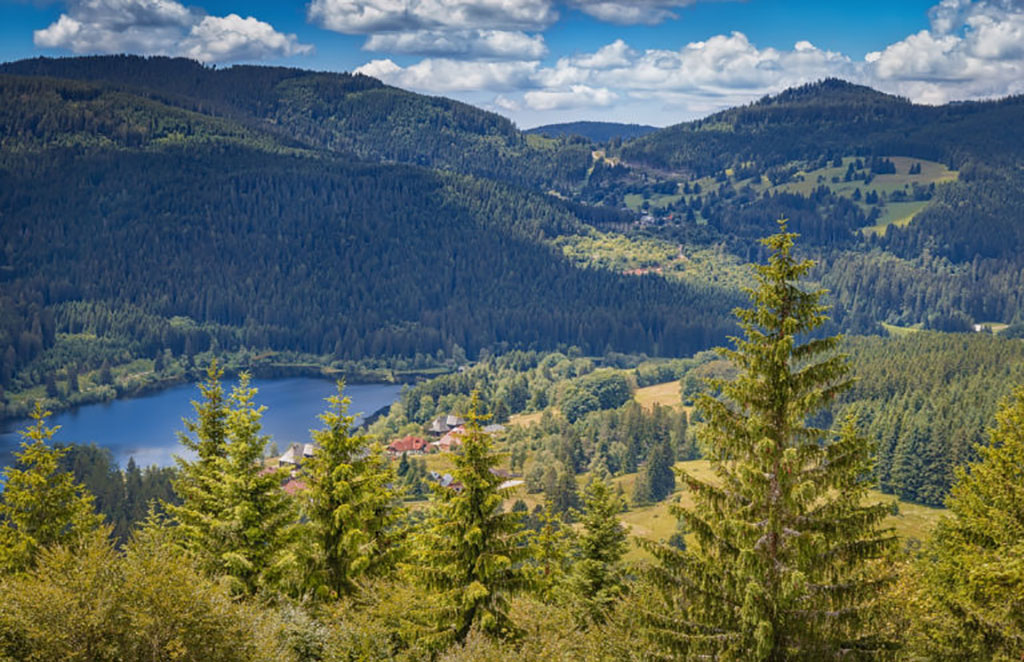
[127,216]
[343,112]
[333,215]
[914,211]
[599,132]
[833,118]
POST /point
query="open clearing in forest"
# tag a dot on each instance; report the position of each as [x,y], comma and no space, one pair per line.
[912,523]
[667,394]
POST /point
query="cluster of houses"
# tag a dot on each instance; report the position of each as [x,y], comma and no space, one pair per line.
[449,430]
[292,459]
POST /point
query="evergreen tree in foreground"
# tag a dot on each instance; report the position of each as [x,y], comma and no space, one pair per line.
[233,515]
[351,504]
[199,481]
[598,578]
[973,569]
[471,555]
[784,562]
[41,505]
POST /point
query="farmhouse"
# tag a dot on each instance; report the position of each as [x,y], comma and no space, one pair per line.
[444,424]
[296,453]
[450,441]
[409,444]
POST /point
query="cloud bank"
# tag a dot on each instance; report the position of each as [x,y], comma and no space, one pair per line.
[164,27]
[972,49]
[492,52]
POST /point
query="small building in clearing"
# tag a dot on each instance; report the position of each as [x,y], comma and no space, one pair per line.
[408,444]
[450,441]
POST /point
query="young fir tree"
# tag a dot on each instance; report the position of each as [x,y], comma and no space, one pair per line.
[234,516]
[471,555]
[256,522]
[551,554]
[783,566]
[661,478]
[41,505]
[972,574]
[198,481]
[598,577]
[351,505]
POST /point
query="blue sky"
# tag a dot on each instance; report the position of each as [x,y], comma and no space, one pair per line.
[540,61]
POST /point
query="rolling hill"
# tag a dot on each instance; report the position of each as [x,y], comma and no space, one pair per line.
[333,215]
[599,132]
[166,225]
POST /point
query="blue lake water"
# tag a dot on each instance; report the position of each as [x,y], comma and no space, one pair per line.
[146,427]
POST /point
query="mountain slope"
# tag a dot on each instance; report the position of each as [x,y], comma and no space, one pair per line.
[340,112]
[125,217]
[835,117]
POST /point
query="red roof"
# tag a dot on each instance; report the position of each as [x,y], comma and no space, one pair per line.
[407,444]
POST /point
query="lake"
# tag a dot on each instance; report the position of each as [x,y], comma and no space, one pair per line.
[146,427]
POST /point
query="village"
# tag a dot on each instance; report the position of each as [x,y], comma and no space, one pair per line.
[446,432]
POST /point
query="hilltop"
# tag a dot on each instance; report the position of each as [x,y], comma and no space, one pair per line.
[599,132]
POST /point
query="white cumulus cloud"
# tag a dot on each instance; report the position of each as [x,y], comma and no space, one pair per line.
[466,43]
[633,12]
[700,77]
[448,75]
[495,29]
[971,50]
[577,96]
[371,16]
[164,27]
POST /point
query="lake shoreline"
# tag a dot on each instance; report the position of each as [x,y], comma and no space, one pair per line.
[147,426]
[260,371]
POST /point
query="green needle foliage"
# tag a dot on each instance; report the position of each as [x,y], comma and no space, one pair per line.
[598,578]
[234,515]
[973,571]
[471,555]
[41,505]
[351,504]
[198,481]
[784,566]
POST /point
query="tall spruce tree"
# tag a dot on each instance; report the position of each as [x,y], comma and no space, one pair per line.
[598,577]
[257,516]
[351,504]
[784,562]
[233,515]
[972,588]
[41,505]
[471,555]
[198,480]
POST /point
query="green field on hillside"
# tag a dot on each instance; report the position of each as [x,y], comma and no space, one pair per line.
[911,522]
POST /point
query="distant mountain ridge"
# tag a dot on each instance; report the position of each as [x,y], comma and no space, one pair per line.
[384,223]
[340,112]
[836,117]
[599,132]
